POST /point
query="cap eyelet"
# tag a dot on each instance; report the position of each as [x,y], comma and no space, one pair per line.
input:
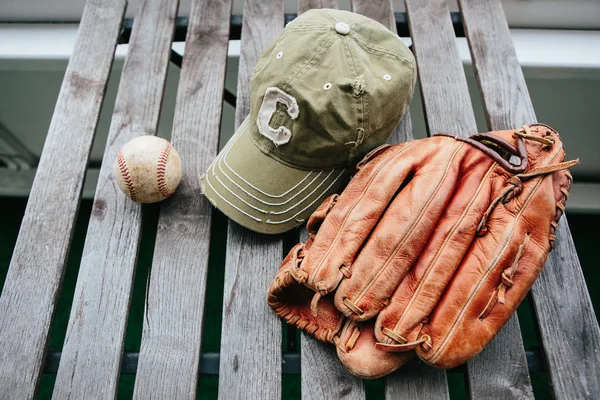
[327,86]
[387,77]
[279,55]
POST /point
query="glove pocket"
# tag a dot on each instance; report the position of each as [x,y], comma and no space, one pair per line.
[291,298]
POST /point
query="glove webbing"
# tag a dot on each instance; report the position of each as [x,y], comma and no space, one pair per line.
[515,187]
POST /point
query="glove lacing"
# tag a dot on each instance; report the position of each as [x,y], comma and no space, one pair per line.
[403,344]
[506,282]
[514,185]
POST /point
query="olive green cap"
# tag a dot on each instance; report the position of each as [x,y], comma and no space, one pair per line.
[332,87]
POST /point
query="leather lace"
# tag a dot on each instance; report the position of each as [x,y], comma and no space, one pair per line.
[402,344]
[349,345]
[525,133]
[514,185]
[506,281]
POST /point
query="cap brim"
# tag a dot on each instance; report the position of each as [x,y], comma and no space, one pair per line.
[261,193]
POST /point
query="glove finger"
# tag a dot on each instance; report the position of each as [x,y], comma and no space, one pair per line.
[317,218]
[456,318]
[401,233]
[357,210]
[421,289]
[499,268]
[357,351]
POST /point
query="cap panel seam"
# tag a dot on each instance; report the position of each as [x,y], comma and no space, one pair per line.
[307,27]
[382,52]
[357,23]
[361,109]
[331,17]
[263,61]
[317,56]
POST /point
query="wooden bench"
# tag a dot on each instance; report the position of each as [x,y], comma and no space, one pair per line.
[250,362]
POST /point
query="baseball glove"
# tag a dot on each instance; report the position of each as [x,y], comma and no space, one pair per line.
[429,250]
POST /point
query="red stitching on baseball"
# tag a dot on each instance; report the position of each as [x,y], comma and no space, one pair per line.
[160,170]
[125,175]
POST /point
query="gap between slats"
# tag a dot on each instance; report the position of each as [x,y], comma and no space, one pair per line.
[250,364]
[449,108]
[175,302]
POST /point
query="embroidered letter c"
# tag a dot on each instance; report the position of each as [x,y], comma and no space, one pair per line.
[281,135]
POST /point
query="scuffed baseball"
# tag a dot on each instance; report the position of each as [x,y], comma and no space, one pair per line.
[147,169]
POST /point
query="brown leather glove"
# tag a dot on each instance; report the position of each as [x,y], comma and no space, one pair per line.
[430,248]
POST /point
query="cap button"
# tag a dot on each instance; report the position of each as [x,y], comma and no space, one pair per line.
[342,28]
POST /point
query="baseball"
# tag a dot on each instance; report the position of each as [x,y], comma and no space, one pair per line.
[147,169]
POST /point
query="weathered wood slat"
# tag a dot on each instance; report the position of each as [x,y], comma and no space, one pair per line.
[568,325]
[445,94]
[305,5]
[504,92]
[378,10]
[323,374]
[171,338]
[91,355]
[398,385]
[250,366]
[32,284]
[500,370]
[417,380]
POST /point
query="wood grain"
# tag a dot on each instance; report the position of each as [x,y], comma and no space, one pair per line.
[378,10]
[91,356]
[326,377]
[250,365]
[446,100]
[417,380]
[500,370]
[502,85]
[567,322]
[305,5]
[31,288]
[171,338]
[323,374]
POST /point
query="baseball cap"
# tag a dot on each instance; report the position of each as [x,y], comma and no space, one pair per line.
[331,87]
